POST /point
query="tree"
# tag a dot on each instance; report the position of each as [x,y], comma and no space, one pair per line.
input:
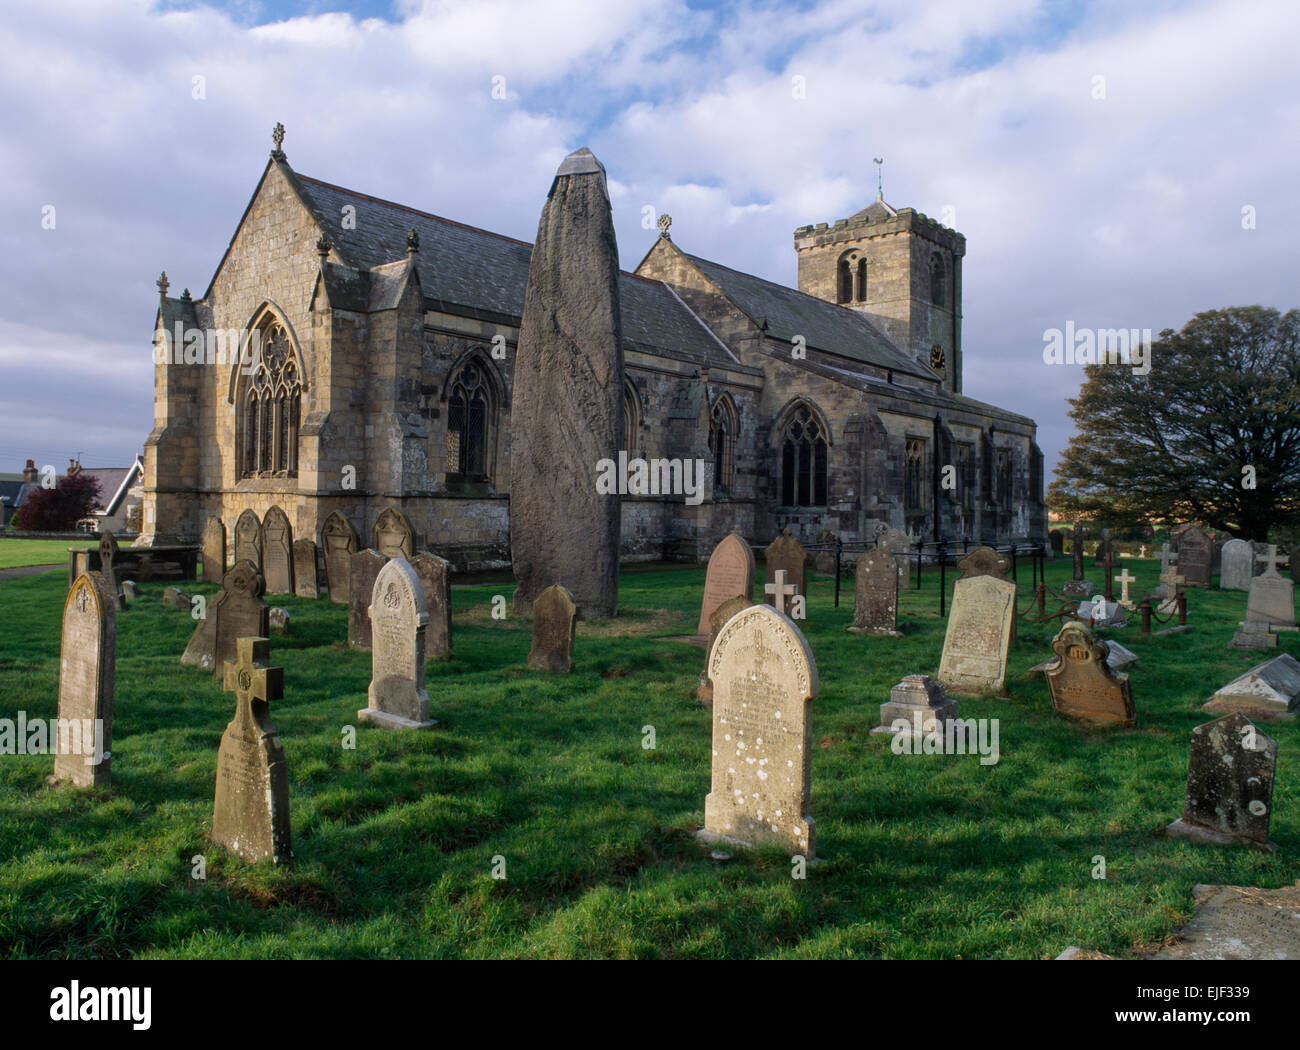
[60,508]
[1211,433]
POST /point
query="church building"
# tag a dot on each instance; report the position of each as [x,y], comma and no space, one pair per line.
[386,337]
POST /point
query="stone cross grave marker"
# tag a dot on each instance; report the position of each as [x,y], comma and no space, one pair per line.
[214,550]
[1235,566]
[1081,680]
[1107,564]
[778,591]
[764,680]
[250,816]
[338,542]
[979,632]
[786,554]
[730,573]
[365,566]
[306,579]
[875,595]
[277,552]
[239,612]
[555,621]
[398,617]
[248,539]
[1272,596]
[87,671]
[1124,579]
[1230,771]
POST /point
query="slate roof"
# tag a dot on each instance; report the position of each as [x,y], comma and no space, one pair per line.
[472,272]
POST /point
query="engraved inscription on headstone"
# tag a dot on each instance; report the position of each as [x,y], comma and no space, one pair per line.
[338,542]
[397,698]
[248,539]
[306,581]
[875,595]
[87,667]
[1082,682]
[277,552]
[979,632]
[1195,555]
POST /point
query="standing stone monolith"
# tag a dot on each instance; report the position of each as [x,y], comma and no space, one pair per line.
[250,816]
[338,542]
[435,580]
[764,681]
[730,574]
[786,552]
[365,566]
[83,743]
[975,645]
[1230,770]
[394,536]
[567,413]
[306,581]
[555,622]
[277,552]
[1236,566]
[397,697]
[248,539]
[239,613]
[213,546]
[875,595]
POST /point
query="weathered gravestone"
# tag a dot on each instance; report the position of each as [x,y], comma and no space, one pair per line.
[108,568]
[917,705]
[202,647]
[339,541]
[1102,613]
[250,816]
[555,619]
[1229,785]
[1167,587]
[239,613]
[1236,566]
[435,580]
[979,632]
[1268,690]
[87,669]
[985,561]
[875,595]
[306,582]
[213,547]
[175,598]
[730,573]
[764,680]
[826,562]
[248,539]
[900,547]
[277,552]
[1195,557]
[397,698]
[787,553]
[1082,682]
[1272,596]
[278,619]
[394,537]
[721,615]
[567,401]
[365,566]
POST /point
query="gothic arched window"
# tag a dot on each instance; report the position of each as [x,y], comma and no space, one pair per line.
[914,473]
[862,281]
[845,292]
[938,292]
[803,461]
[272,407]
[722,443]
[470,423]
[631,419]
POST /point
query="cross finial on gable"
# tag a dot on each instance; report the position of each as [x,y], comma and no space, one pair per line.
[880,182]
[251,680]
[665,222]
[412,241]
[163,285]
[277,136]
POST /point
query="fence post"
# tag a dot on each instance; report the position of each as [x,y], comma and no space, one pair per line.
[1146,615]
[1182,608]
[839,549]
[943,580]
[1042,601]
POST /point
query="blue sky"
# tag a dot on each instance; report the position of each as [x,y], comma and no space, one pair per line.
[1118,210]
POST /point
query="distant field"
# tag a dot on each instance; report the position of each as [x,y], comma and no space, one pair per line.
[14,553]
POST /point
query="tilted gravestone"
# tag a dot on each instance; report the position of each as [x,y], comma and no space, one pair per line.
[435,580]
[1195,557]
[108,568]
[248,539]
[875,595]
[397,697]
[87,672]
[239,613]
[979,633]
[306,581]
[250,814]
[277,552]
[1081,680]
[555,618]
[917,705]
[365,566]
[721,615]
[214,550]
[338,542]
[394,537]
[764,680]
[897,543]
[1236,566]
[730,573]
[1268,690]
[566,412]
[202,648]
[786,552]
[1230,771]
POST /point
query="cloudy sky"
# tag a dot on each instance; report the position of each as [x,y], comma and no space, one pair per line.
[1097,156]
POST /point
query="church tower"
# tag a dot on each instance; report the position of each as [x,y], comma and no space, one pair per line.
[900,268]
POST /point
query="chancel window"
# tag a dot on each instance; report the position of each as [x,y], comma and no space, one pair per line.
[803,461]
[271,409]
[468,423]
[914,473]
[722,444]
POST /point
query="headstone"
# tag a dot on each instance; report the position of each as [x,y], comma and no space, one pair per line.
[764,680]
[875,595]
[202,647]
[435,574]
[1229,785]
[175,598]
[339,540]
[239,612]
[1124,579]
[1253,634]
[1103,613]
[125,589]
[365,566]
[979,632]
[214,550]
[787,553]
[1117,659]
[1272,596]
[1236,566]
[87,670]
[555,619]
[277,552]
[248,539]
[108,568]
[251,814]
[985,561]
[917,705]
[1168,564]
[278,619]
[1082,682]
[306,582]
[566,413]
[1057,540]
[394,537]
[826,562]
[897,543]
[1077,585]
[397,698]
[721,615]
[1195,557]
[1268,689]
[730,573]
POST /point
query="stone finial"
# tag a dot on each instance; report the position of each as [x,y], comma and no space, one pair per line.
[185,296]
[665,223]
[277,136]
[412,241]
[163,285]
[323,247]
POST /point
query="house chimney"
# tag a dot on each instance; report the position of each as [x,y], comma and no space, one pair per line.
[30,472]
[74,468]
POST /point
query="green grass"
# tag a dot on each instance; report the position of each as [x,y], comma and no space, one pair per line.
[926,856]
[16,553]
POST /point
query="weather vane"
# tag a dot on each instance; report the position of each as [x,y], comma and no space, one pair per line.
[880,189]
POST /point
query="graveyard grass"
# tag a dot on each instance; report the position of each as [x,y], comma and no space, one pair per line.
[18,553]
[925,856]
